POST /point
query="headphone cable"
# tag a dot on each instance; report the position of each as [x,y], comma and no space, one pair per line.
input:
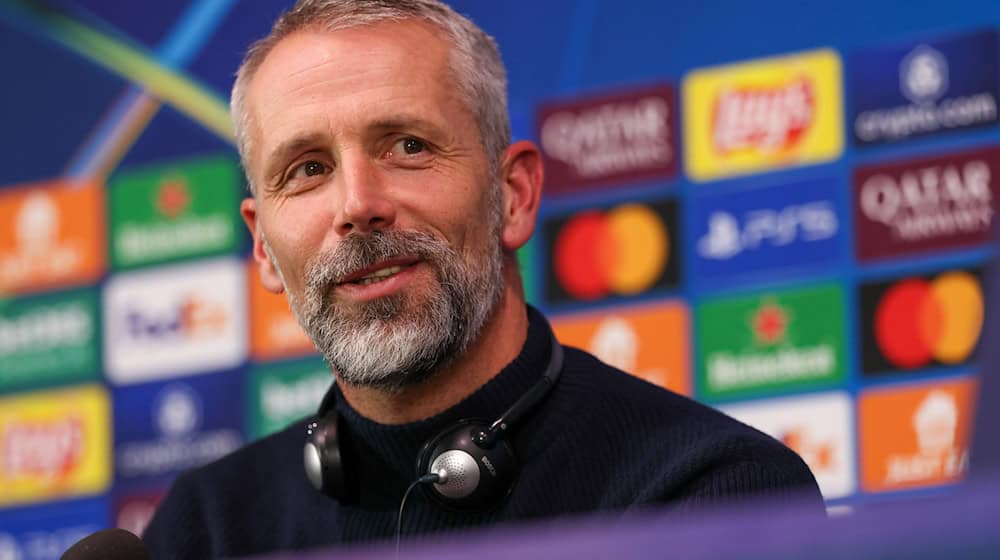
[425,479]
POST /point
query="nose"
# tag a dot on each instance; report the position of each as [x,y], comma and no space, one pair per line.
[365,203]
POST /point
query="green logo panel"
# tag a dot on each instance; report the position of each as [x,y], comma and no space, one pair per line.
[50,339]
[177,211]
[283,393]
[526,256]
[771,342]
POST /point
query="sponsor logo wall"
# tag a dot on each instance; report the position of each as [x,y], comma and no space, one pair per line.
[707,229]
[805,283]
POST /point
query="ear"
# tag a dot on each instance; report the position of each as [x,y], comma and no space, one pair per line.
[265,266]
[521,175]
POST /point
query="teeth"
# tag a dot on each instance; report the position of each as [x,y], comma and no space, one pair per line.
[378,275]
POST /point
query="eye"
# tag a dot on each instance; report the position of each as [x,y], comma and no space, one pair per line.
[310,168]
[407,147]
[412,146]
[306,170]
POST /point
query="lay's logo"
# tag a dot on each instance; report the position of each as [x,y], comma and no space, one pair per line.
[768,119]
[54,444]
[763,115]
[177,320]
[46,450]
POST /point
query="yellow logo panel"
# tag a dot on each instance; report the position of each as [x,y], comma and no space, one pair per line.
[762,115]
[54,444]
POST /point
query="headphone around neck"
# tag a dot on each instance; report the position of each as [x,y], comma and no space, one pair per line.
[469,465]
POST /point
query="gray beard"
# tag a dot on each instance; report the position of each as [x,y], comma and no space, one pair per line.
[399,340]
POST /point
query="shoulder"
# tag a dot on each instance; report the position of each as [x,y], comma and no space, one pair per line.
[610,392]
[691,451]
[206,508]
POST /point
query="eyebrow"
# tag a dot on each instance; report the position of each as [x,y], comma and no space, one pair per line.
[404,121]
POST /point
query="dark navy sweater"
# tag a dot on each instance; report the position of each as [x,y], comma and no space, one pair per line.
[602,440]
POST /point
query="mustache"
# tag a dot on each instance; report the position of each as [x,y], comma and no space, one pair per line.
[358,251]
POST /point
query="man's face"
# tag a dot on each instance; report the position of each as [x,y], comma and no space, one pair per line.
[375,205]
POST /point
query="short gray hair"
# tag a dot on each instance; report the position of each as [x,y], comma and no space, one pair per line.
[475,61]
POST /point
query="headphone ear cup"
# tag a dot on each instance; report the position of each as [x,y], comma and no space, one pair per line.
[323,460]
[477,478]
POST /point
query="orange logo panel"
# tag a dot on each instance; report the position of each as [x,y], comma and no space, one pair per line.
[915,436]
[51,235]
[650,342]
[274,332]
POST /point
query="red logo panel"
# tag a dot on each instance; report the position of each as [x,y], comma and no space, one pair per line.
[616,138]
[928,204]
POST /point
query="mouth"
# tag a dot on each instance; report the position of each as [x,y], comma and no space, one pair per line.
[380,272]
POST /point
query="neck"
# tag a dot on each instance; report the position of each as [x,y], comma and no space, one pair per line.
[499,342]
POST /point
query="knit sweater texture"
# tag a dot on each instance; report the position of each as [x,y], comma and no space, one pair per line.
[602,440]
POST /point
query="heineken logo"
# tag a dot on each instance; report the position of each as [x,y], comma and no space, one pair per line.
[184,210]
[173,198]
[776,341]
[769,323]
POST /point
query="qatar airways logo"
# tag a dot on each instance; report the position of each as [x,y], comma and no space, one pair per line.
[763,119]
[42,450]
[613,138]
[921,203]
[938,203]
[175,320]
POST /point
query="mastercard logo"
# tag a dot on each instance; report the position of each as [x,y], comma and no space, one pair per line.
[623,251]
[918,321]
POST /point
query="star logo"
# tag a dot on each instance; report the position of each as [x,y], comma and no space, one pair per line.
[769,323]
[173,198]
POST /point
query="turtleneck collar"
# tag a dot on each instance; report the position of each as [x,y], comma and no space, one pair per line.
[384,447]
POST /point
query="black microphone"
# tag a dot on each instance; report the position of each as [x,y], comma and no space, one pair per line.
[111,544]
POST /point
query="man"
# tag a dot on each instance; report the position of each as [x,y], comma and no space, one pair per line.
[388,203]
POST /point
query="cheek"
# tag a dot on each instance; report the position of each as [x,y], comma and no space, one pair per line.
[297,235]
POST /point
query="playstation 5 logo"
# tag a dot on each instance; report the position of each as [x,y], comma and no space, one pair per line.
[726,238]
[923,75]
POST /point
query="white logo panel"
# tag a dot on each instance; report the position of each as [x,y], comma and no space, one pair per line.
[818,427]
[176,320]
